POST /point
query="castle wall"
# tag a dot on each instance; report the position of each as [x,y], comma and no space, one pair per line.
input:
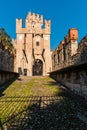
[70,68]
[6,64]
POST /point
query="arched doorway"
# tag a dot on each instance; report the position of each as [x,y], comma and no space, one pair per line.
[38,67]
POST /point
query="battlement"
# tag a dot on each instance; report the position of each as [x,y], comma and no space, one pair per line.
[73,33]
[18,25]
[67,39]
[19,20]
[33,24]
[47,23]
[34,17]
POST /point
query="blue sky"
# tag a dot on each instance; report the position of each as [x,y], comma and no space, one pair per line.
[64,14]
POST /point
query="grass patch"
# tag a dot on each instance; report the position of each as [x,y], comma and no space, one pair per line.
[27,86]
[32,87]
[61,113]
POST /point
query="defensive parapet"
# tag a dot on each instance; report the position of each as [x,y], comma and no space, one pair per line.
[66,49]
[18,25]
[33,24]
[73,34]
[34,17]
[69,63]
[47,25]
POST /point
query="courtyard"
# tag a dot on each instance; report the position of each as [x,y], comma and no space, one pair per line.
[40,103]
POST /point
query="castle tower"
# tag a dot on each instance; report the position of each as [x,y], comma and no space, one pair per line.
[73,37]
[33,55]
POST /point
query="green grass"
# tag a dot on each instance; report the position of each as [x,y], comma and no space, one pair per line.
[27,86]
[64,109]
[34,87]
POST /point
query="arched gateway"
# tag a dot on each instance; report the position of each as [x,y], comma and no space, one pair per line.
[38,67]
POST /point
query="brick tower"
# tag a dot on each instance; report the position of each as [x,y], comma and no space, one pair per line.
[73,37]
[32,45]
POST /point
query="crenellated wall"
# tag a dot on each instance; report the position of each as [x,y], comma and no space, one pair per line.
[33,24]
[69,63]
[66,50]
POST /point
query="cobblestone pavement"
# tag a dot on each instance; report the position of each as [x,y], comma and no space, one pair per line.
[63,111]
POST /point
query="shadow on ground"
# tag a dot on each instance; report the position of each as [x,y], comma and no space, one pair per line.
[46,113]
[4,86]
[59,112]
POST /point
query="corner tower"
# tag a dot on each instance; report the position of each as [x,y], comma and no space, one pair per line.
[33,55]
[73,37]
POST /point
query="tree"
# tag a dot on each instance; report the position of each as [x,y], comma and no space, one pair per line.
[5,38]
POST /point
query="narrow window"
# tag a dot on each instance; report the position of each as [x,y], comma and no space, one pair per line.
[37,43]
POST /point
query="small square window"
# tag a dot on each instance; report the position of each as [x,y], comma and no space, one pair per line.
[37,43]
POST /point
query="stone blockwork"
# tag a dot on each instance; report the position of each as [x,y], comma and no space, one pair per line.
[6,58]
[66,51]
[6,63]
[69,63]
[32,44]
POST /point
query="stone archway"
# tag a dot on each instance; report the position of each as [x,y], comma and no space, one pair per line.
[38,67]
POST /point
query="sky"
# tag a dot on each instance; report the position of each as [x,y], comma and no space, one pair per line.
[64,14]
